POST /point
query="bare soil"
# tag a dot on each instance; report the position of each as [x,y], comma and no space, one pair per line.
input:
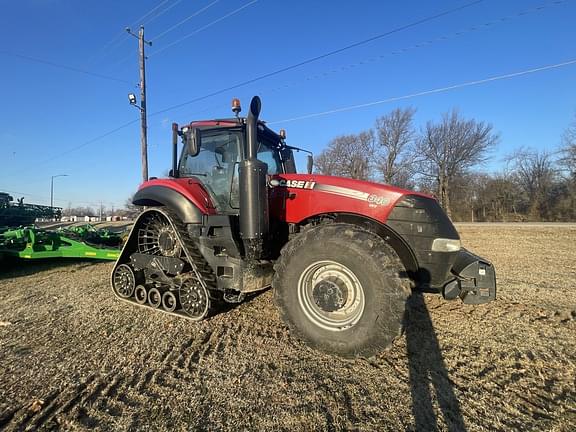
[72,357]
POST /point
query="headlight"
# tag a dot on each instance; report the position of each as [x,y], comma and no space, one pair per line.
[445,245]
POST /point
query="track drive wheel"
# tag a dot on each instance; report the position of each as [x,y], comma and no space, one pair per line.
[194,298]
[342,290]
[156,236]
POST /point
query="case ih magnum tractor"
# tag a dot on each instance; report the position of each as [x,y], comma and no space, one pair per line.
[234,218]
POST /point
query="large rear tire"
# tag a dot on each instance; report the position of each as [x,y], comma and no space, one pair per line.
[342,290]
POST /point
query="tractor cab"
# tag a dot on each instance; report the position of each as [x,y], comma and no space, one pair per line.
[213,151]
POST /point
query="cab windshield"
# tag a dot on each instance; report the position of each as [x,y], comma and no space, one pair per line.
[216,165]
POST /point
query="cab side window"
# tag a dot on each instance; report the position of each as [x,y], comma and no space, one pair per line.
[270,157]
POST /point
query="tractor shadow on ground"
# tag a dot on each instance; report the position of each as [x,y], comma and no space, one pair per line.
[429,379]
[12,268]
[221,307]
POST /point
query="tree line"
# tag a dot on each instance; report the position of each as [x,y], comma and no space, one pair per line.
[445,158]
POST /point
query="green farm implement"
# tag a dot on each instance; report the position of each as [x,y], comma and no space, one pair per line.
[77,242]
[14,214]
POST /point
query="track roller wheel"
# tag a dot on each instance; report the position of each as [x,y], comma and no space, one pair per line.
[194,298]
[169,301]
[124,281]
[154,298]
[140,294]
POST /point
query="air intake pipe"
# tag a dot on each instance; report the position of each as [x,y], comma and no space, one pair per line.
[254,217]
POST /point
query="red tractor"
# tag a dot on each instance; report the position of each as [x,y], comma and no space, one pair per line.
[342,255]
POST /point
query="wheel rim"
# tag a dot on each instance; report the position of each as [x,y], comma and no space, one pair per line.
[331,296]
[169,301]
[141,295]
[157,237]
[124,281]
[154,298]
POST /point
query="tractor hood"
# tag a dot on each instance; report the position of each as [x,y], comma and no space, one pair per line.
[295,197]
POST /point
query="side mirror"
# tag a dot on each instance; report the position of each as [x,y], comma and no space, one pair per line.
[310,164]
[288,160]
[193,141]
[225,156]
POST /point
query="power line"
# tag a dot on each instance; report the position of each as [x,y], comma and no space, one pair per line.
[198,12]
[235,11]
[24,194]
[90,141]
[45,198]
[61,66]
[84,144]
[428,92]
[476,27]
[121,36]
[123,59]
[162,12]
[140,21]
[319,57]
[34,196]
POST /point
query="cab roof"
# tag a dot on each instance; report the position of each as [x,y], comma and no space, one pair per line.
[232,122]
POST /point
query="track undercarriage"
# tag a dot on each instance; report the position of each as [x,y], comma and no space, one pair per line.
[160,267]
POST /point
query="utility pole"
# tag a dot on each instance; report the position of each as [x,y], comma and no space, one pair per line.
[143,125]
[52,187]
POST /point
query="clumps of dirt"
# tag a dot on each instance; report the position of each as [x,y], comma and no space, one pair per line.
[75,358]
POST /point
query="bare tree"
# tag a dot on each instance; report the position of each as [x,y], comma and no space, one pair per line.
[450,148]
[395,134]
[504,197]
[568,159]
[79,211]
[567,163]
[129,210]
[348,156]
[498,198]
[534,172]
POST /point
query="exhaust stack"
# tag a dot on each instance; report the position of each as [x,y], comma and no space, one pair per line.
[254,217]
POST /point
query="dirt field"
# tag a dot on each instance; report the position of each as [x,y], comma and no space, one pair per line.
[72,357]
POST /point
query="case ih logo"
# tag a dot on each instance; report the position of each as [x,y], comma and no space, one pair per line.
[373,200]
[298,184]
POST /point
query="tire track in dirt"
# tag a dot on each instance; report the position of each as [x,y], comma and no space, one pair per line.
[42,411]
[482,374]
[96,401]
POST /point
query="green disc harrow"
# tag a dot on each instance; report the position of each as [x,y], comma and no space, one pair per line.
[78,242]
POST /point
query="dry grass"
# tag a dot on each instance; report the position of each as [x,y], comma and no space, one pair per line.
[73,357]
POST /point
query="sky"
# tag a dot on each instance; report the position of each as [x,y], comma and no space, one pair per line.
[67,67]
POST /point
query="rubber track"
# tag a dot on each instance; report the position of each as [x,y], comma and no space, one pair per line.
[200,267]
